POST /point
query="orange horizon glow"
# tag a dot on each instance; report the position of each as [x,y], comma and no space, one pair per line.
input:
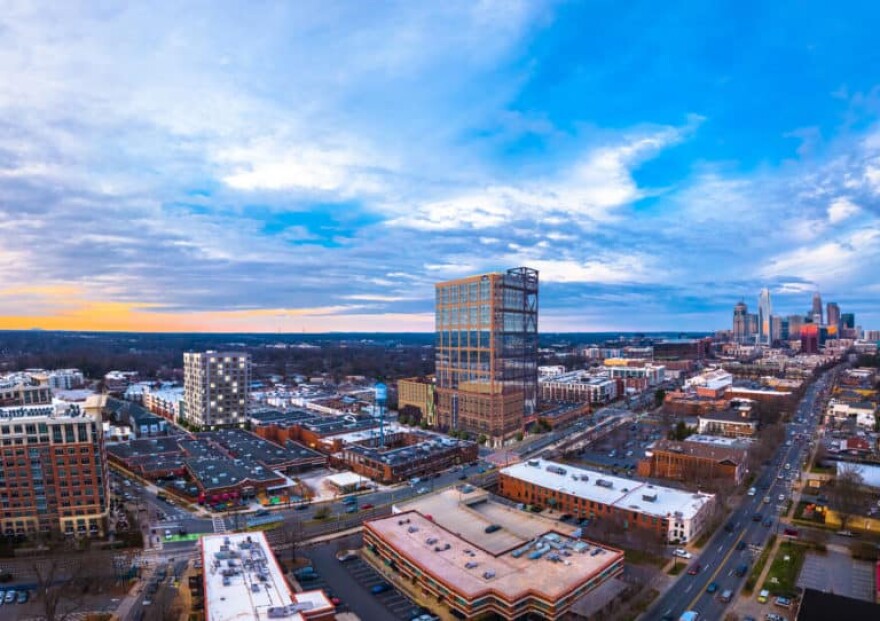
[66,310]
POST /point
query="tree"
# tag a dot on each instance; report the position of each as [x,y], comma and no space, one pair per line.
[64,578]
[659,396]
[292,535]
[846,495]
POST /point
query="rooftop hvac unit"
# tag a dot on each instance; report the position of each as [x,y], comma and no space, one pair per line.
[604,483]
[649,497]
[555,469]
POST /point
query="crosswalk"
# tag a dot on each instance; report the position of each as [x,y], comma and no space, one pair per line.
[219,524]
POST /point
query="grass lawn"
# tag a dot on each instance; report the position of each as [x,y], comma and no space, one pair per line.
[677,569]
[758,567]
[783,574]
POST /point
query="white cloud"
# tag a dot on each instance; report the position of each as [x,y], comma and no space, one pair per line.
[841,209]
[591,191]
[834,261]
[618,270]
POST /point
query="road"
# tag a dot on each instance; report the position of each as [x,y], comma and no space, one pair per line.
[720,558]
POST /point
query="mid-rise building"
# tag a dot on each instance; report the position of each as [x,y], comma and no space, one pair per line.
[216,388]
[810,338]
[578,387]
[416,395]
[795,322]
[487,353]
[672,515]
[24,393]
[53,473]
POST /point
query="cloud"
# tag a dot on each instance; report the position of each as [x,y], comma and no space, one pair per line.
[841,209]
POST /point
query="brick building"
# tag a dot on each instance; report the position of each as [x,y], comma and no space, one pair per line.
[694,462]
[417,393]
[672,515]
[53,473]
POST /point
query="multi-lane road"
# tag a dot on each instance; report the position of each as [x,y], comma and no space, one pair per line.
[744,534]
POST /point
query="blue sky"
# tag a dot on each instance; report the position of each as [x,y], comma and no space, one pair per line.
[318,165]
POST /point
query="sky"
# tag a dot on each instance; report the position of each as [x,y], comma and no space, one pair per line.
[318,166]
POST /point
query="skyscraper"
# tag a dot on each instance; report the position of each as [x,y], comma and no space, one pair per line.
[810,338]
[765,310]
[794,326]
[848,320]
[832,318]
[740,322]
[816,311]
[216,388]
[487,353]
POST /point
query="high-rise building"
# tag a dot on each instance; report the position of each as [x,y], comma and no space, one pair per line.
[740,322]
[848,320]
[776,327]
[216,388]
[53,473]
[816,311]
[832,317]
[487,353]
[765,310]
[794,326]
[754,325]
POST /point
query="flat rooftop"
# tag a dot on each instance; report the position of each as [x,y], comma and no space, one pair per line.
[550,562]
[245,445]
[243,582]
[468,513]
[619,492]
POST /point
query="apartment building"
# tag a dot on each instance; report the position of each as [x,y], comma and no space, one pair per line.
[216,388]
[53,471]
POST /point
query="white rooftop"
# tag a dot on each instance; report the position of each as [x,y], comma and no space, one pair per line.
[620,492]
[347,479]
[718,440]
[244,582]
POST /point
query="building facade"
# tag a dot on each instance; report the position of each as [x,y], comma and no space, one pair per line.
[53,473]
[832,317]
[816,309]
[694,462]
[216,388]
[810,338]
[487,353]
[23,393]
[417,393]
[670,514]
[578,387]
[741,332]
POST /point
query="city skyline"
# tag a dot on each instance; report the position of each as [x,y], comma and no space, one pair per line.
[319,167]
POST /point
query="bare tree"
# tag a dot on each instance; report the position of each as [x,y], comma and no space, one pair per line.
[64,579]
[291,535]
[166,605]
[846,494]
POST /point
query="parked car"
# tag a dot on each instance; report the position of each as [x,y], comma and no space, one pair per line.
[346,555]
[380,588]
[681,553]
[784,602]
[763,596]
[10,597]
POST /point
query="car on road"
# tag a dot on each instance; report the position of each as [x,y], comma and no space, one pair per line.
[763,596]
[346,555]
[741,570]
[366,506]
[695,569]
[713,586]
[756,517]
[768,522]
[301,507]
[741,545]
[781,497]
[681,553]
[351,509]
[422,490]
[380,588]
[767,499]
[726,596]
[350,500]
